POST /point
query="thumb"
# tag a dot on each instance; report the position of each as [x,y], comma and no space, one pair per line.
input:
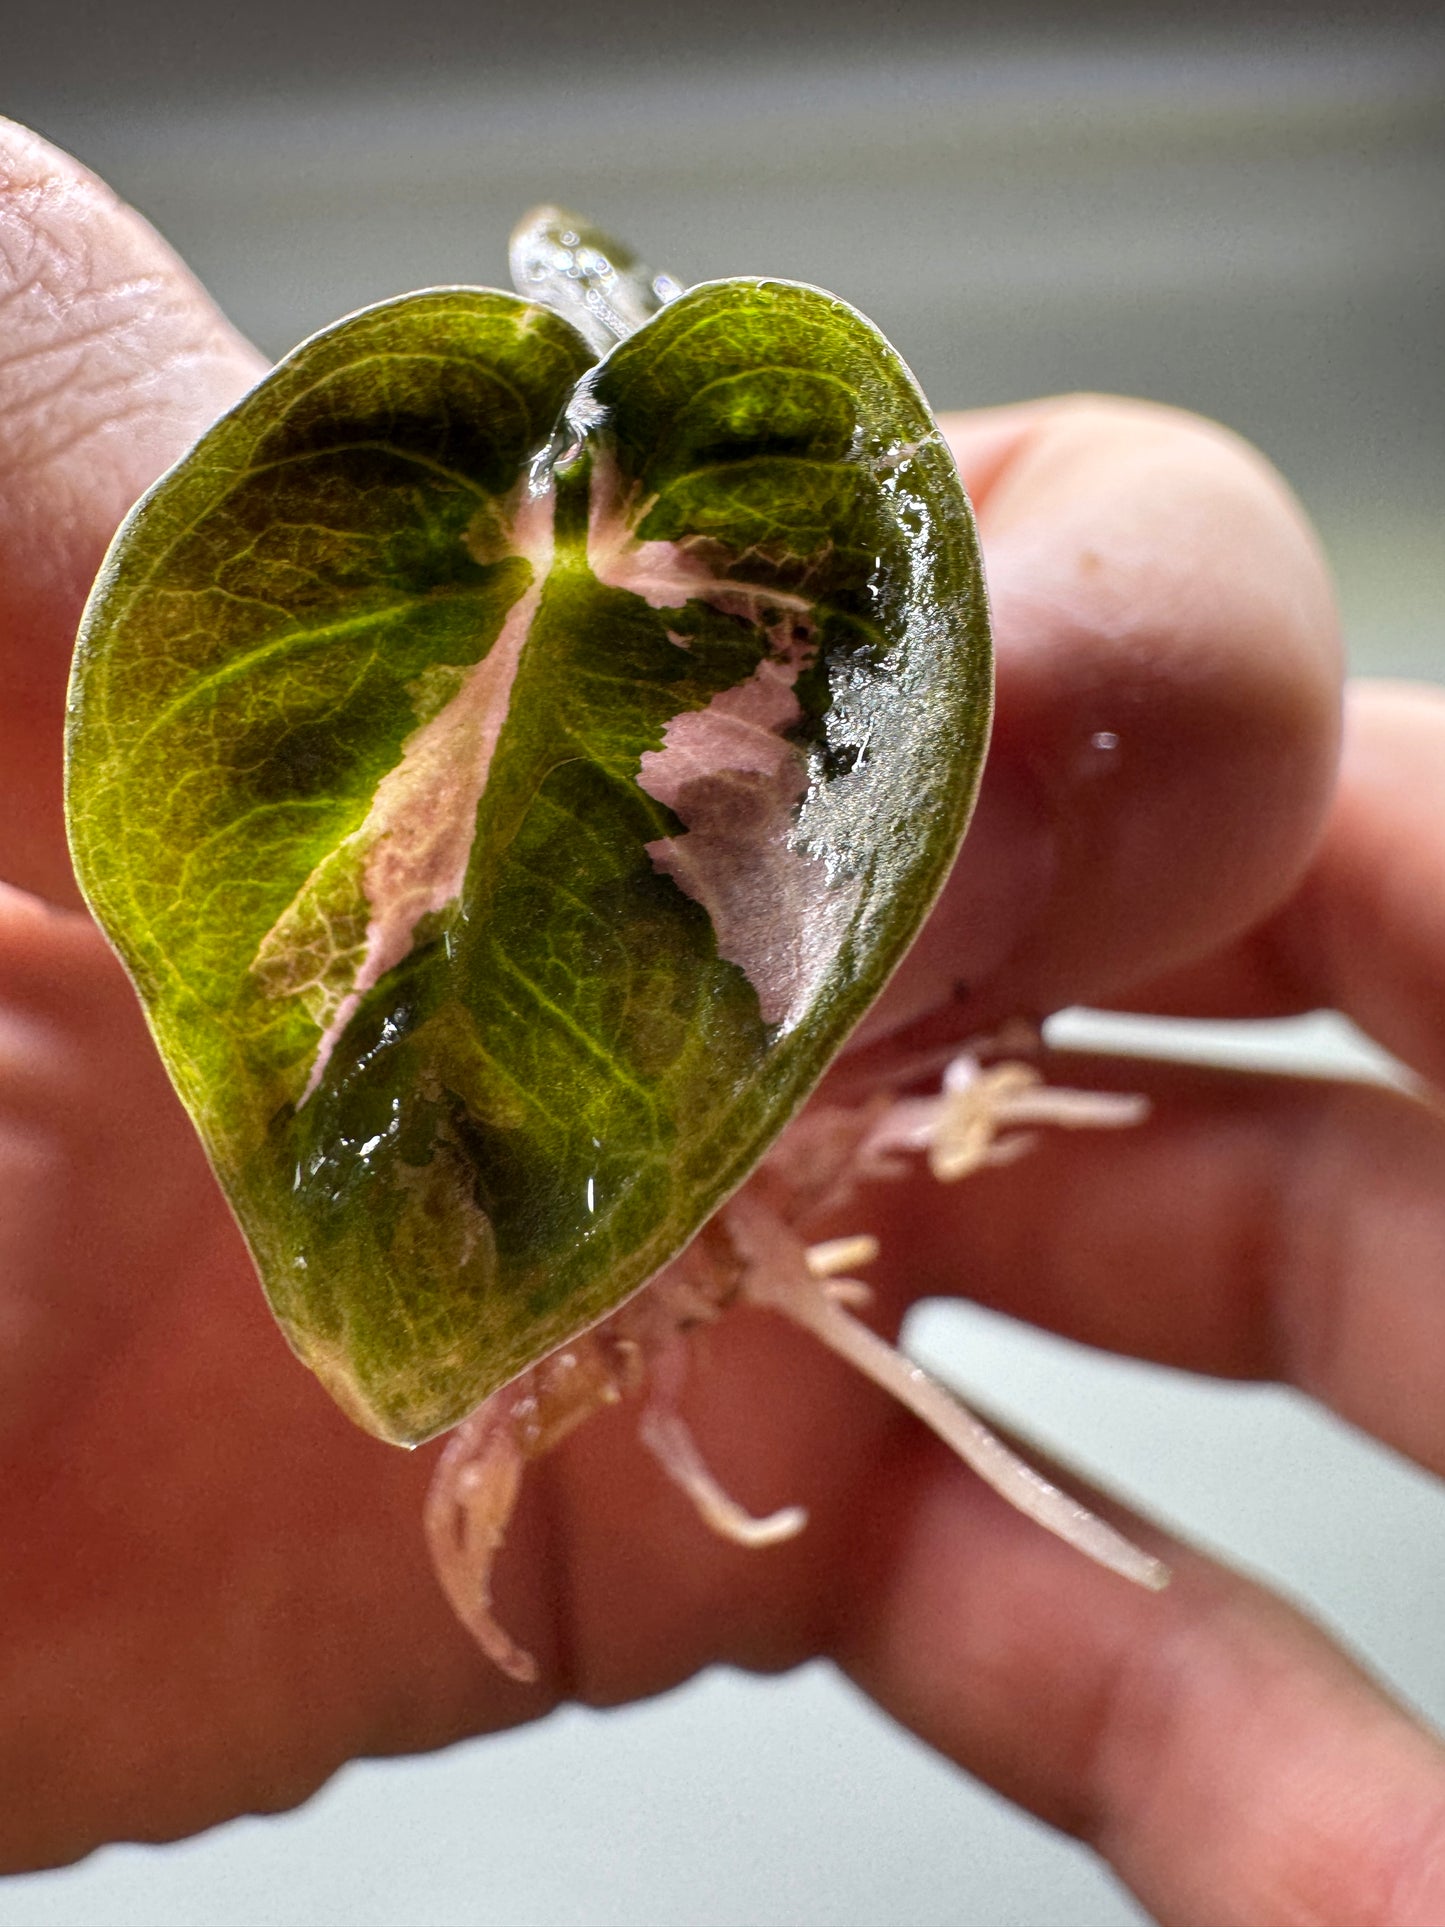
[115,361]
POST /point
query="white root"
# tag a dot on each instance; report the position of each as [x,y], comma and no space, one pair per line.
[974,1120]
[946,1414]
[665,1432]
[971,1123]
[468,1505]
[837,1255]
[666,1436]
[799,1292]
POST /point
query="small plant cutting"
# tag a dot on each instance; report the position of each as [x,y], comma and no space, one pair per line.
[510,753]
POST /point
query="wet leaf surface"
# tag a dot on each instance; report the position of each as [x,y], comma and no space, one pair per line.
[507,777]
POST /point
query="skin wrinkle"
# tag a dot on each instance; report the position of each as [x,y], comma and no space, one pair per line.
[104,383]
[1304,1280]
[114,418]
[82,244]
[87,288]
[1261,1245]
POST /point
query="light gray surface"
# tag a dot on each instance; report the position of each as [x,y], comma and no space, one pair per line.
[1251,231]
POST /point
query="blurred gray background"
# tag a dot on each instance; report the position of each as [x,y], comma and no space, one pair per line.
[1242,216]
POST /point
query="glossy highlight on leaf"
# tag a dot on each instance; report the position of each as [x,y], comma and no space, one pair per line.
[507,776]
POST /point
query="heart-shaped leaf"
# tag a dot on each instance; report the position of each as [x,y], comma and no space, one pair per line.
[507,777]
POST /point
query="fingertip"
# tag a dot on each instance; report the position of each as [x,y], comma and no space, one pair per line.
[1169,677]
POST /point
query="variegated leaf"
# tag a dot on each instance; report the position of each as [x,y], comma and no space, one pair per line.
[507,777]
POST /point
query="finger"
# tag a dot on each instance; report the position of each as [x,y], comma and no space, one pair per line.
[1168,678]
[1252,1226]
[1365,932]
[114,361]
[1216,1748]
[85,1112]
[1229,1761]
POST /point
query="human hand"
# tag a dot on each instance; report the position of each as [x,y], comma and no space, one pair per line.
[217,1590]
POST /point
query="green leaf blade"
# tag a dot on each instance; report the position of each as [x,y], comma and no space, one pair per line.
[474,1061]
